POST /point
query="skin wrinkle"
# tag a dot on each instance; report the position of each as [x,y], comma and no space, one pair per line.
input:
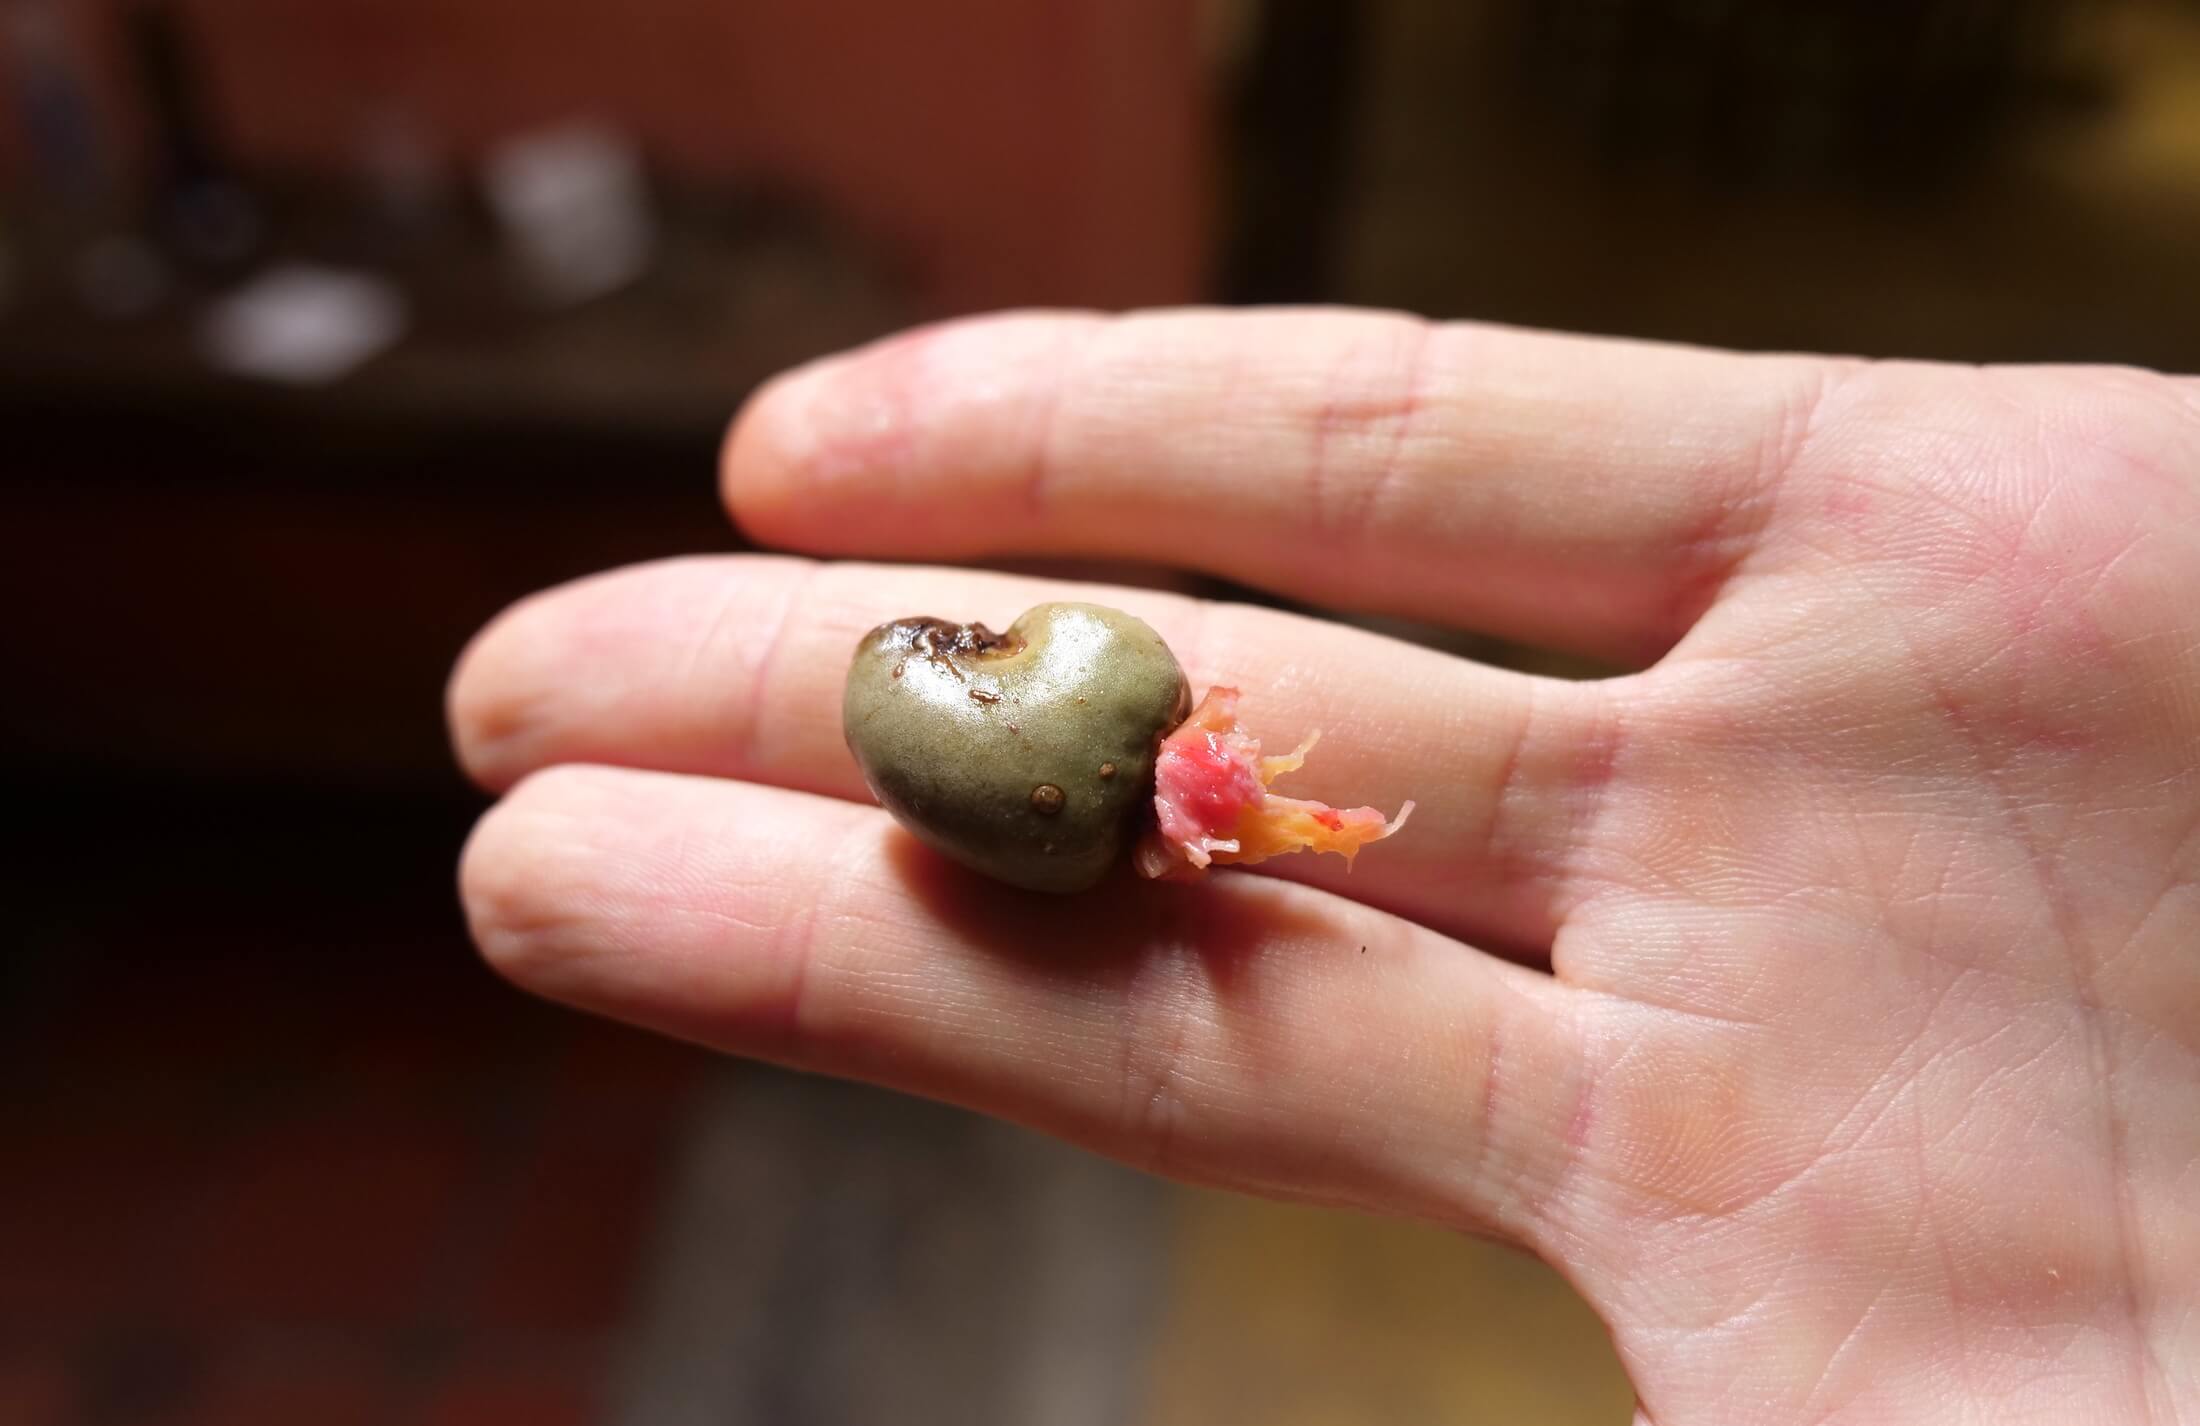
[1685,1012]
[1157,1013]
[1397,404]
[1853,1338]
[1881,1097]
[1556,1212]
[1515,874]
[1521,1209]
[1946,1254]
[795,946]
[1602,735]
[1929,1222]
[2186,1038]
[2015,1069]
[1731,533]
[1883,890]
[2161,481]
[1420,361]
[1931,902]
[1944,503]
[2179,881]
[1749,1309]
[2099,578]
[2153,1379]
[1346,409]
[2050,593]
[1945,1057]
[1072,351]
[1929,899]
[1882,1094]
[1948,1262]
[2148,1375]
[1315,480]
[1508,771]
[700,649]
[762,681]
[1628,874]
[1494,1038]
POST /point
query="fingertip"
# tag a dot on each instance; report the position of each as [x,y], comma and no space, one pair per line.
[489,700]
[511,884]
[469,721]
[813,448]
[675,903]
[892,447]
[769,442]
[485,888]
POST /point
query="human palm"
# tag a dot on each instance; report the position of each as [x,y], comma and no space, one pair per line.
[1844,1047]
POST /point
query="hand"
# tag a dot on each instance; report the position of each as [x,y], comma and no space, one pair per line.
[1847,1057]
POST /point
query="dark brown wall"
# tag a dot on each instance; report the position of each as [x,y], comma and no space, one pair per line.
[1011,150]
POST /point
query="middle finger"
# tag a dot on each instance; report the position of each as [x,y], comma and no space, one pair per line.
[732,666]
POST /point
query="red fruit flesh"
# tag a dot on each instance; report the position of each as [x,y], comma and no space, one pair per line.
[1212,803]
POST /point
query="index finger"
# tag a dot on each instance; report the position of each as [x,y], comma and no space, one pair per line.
[1578,492]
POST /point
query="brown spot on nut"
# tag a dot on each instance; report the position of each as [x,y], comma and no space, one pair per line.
[980,695]
[1046,799]
[1107,770]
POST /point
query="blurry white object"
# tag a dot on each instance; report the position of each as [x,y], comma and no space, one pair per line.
[304,326]
[575,208]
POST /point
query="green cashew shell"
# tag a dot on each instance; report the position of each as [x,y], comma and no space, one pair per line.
[1026,755]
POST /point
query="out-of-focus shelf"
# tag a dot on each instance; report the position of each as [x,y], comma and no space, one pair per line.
[671,355]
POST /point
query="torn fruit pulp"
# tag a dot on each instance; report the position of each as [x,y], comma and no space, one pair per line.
[1212,803]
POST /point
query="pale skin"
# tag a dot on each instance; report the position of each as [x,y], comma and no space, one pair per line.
[1822,999]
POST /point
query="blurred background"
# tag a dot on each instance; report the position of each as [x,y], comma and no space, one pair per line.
[327,329]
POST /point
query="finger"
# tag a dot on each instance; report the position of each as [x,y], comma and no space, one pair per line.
[1577,492]
[1233,1032]
[734,667]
